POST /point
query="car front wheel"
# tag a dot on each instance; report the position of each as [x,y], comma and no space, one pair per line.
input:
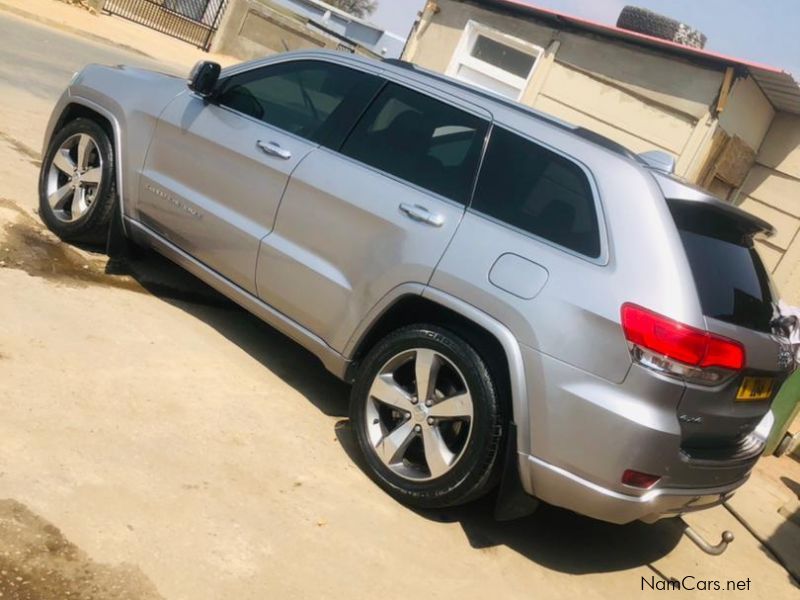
[76,185]
[426,415]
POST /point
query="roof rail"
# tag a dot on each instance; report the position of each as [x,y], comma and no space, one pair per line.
[581,132]
[399,62]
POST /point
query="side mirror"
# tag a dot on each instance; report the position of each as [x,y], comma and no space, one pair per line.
[203,78]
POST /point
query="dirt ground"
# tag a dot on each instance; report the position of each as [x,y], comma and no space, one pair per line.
[158,442]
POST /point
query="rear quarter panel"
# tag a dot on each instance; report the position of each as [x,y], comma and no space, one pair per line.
[575,317]
[569,329]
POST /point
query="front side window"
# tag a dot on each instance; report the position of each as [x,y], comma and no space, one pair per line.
[492,60]
[536,190]
[311,99]
[421,140]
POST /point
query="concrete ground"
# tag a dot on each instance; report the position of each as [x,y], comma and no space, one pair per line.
[157,442]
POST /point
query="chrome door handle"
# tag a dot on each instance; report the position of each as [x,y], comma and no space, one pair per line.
[274,149]
[422,214]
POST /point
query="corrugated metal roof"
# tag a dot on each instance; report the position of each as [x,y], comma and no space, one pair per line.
[778,86]
[781,89]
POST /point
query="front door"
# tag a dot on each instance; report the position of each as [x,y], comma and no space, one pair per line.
[357,221]
[216,171]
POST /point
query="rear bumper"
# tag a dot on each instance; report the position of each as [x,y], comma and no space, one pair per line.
[562,488]
[586,431]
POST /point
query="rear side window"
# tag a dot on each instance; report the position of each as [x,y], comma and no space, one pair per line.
[315,100]
[731,280]
[421,140]
[538,191]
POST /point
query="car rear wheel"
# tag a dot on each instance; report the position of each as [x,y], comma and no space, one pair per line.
[77,190]
[427,419]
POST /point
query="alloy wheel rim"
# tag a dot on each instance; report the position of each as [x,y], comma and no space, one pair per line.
[419,414]
[74,177]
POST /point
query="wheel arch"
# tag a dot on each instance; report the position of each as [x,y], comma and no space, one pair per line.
[77,107]
[493,341]
[76,110]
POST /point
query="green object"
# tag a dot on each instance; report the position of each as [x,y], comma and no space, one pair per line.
[785,408]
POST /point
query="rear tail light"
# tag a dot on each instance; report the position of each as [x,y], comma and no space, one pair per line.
[637,479]
[678,350]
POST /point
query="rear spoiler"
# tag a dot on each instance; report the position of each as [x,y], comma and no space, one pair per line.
[675,188]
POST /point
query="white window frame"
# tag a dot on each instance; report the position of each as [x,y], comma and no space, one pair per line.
[462,56]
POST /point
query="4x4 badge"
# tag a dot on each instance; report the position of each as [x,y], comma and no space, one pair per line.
[690,419]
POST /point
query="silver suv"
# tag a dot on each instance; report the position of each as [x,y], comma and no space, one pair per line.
[517,302]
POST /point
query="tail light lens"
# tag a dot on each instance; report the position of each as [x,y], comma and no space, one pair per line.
[679,350]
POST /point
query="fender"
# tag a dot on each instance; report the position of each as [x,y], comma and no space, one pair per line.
[377,311]
[515,496]
[115,127]
[146,93]
[513,353]
[516,367]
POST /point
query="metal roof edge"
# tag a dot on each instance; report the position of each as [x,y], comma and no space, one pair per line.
[759,71]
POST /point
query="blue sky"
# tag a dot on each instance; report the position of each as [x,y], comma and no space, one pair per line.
[765,31]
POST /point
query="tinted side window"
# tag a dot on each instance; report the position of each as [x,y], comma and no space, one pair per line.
[313,99]
[537,190]
[419,139]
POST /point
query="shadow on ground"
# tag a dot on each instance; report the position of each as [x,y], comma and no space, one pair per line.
[794,486]
[552,537]
[283,357]
[25,245]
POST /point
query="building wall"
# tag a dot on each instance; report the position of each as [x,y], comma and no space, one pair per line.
[772,191]
[257,28]
[366,34]
[748,114]
[585,98]
[742,117]
[250,29]
[637,97]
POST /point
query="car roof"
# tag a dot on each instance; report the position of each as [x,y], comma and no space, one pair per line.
[492,100]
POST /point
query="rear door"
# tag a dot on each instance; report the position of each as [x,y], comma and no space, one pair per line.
[216,171]
[739,303]
[378,212]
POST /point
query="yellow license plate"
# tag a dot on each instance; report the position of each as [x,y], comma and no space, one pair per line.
[755,388]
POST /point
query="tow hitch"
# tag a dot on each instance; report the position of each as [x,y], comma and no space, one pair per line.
[727,538]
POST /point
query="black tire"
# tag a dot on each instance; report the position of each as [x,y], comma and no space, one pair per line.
[648,22]
[475,472]
[92,226]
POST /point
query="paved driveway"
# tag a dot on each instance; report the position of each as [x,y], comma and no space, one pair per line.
[36,63]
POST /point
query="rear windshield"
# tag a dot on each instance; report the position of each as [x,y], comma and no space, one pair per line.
[731,279]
